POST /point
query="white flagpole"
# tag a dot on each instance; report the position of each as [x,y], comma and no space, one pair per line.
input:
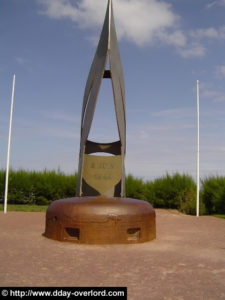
[197,203]
[9,143]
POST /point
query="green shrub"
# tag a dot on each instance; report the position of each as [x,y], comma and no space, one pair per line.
[30,187]
[2,185]
[42,201]
[213,194]
[135,188]
[188,203]
[173,191]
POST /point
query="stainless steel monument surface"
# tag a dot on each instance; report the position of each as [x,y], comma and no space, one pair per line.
[100,213]
[103,175]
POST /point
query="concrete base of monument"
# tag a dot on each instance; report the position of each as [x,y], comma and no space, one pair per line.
[100,220]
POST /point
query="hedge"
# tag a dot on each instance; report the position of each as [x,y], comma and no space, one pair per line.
[37,187]
[213,194]
[177,191]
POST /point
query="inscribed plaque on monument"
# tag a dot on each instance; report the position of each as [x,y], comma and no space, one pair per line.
[102,172]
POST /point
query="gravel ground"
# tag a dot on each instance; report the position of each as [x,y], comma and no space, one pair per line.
[186,261]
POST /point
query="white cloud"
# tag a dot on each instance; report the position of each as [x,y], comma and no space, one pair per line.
[58,133]
[60,116]
[85,13]
[21,60]
[220,71]
[162,143]
[215,3]
[139,21]
[192,50]
[175,113]
[215,95]
[194,46]
[142,22]
[176,38]
[209,33]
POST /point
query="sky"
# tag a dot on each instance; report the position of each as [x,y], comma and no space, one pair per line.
[165,47]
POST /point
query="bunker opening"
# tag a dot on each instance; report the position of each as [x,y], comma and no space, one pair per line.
[133,234]
[72,234]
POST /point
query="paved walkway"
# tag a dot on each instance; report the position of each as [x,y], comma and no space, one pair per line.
[186,261]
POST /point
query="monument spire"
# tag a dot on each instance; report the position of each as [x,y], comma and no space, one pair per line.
[110,15]
[107,49]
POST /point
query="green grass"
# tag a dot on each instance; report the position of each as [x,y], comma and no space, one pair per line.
[219,216]
[25,207]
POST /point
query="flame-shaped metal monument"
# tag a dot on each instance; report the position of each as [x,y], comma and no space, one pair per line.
[100,213]
[103,175]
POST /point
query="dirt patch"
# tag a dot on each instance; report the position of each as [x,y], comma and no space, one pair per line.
[186,261]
